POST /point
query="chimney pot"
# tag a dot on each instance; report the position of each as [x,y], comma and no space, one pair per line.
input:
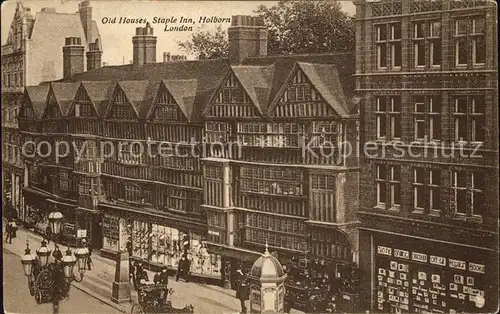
[144,45]
[73,56]
[247,38]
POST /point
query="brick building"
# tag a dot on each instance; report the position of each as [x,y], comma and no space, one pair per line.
[256,145]
[427,74]
[28,58]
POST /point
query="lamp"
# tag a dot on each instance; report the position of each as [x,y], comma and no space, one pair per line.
[81,255]
[68,263]
[55,222]
[28,261]
[43,254]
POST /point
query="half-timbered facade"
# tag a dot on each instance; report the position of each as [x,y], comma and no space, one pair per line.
[225,156]
[22,66]
[427,75]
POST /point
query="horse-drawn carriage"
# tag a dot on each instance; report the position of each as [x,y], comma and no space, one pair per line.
[155,299]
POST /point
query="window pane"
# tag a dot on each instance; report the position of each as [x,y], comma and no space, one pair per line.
[435,126]
[381,125]
[419,30]
[479,25]
[480,49]
[435,177]
[381,172]
[461,52]
[382,56]
[396,126]
[461,27]
[420,129]
[435,104]
[395,104]
[419,175]
[396,194]
[461,202]
[381,192]
[381,32]
[479,128]
[461,105]
[420,53]
[396,31]
[396,51]
[435,199]
[435,30]
[420,197]
[478,181]
[436,52]
[461,128]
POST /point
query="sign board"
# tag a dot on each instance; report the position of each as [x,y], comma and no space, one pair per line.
[476,268]
[420,257]
[81,233]
[401,254]
[384,250]
[453,263]
[438,260]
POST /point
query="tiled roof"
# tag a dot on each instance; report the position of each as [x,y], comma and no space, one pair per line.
[184,93]
[100,93]
[65,94]
[37,96]
[193,84]
[256,80]
[325,78]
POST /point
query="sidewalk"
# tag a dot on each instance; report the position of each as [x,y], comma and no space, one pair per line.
[98,282]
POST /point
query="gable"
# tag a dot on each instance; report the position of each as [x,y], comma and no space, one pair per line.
[26,110]
[52,110]
[83,106]
[232,100]
[120,107]
[166,108]
[300,98]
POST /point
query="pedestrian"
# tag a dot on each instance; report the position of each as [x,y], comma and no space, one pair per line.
[129,247]
[8,233]
[13,229]
[131,273]
[57,254]
[138,273]
[181,267]
[89,259]
[48,234]
[243,292]
[187,268]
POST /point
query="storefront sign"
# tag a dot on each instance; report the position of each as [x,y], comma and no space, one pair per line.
[438,260]
[453,263]
[401,254]
[384,250]
[215,233]
[476,268]
[81,233]
[419,257]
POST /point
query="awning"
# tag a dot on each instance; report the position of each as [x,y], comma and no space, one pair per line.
[61,203]
[36,192]
[233,252]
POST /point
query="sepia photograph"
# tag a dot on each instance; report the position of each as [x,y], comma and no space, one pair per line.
[222,157]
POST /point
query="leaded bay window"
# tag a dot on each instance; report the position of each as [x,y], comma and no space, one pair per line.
[470,32]
[180,199]
[388,117]
[467,192]
[426,190]
[271,180]
[323,200]
[134,193]
[217,132]
[387,182]
[130,154]
[325,133]
[269,134]
[64,181]
[469,116]
[276,231]
[427,116]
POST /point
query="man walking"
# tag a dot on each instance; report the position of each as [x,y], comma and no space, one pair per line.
[183,268]
[57,254]
[243,292]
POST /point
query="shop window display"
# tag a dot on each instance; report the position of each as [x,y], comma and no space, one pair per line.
[140,240]
[110,229]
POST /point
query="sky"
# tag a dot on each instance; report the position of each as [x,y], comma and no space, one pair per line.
[117,38]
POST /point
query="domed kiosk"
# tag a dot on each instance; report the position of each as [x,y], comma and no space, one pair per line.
[267,285]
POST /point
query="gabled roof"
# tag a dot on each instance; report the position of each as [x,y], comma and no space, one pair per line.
[325,79]
[140,94]
[64,94]
[184,93]
[100,93]
[194,84]
[37,96]
[256,80]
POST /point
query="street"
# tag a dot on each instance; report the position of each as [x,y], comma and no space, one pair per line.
[17,298]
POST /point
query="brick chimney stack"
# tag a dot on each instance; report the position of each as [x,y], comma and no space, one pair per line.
[144,45]
[94,56]
[247,38]
[73,59]
[85,11]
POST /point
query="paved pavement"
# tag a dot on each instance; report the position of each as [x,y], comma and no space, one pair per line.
[17,299]
[206,299]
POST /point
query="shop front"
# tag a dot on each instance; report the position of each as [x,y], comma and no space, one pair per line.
[416,276]
[158,241]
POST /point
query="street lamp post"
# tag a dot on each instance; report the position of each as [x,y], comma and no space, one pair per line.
[50,282]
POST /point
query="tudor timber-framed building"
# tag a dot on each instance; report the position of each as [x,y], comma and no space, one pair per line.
[427,74]
[245,167]
[28,58]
